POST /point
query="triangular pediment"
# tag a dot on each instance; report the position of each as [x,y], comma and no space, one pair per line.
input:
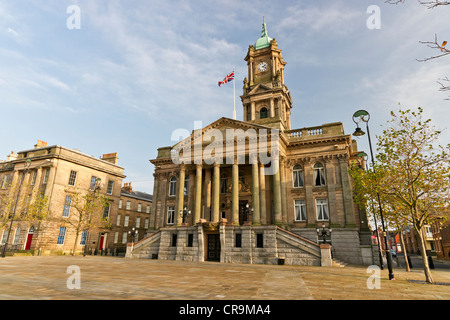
[260,88]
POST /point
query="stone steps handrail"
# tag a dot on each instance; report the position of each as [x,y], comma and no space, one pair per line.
[144,241]
[298,237]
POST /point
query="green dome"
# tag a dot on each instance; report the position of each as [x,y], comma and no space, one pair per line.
[264,41]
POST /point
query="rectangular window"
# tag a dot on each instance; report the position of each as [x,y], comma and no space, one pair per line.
[110,188]
[127,219]
[171,215]
[33,178]
[173,187]
[116,237]
[124,237]
[118,220]
[83,238]
[148,209]
[190,243]
[66,210]
[139,209]
[298,177]
[146,223]
[300,210]
[238,240]
[120,204]
[17,236]
[128,205]
[106,211]
[5,235]
[5,182]
[186,186]
[72,178]
[61,235]
[92,185]
[322,210]
[138,222]
[46,175]
[223,185]
[174,240]
[260,240]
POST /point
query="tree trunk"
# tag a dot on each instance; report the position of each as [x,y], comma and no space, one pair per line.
[402,243]
[75,244]
[426,267]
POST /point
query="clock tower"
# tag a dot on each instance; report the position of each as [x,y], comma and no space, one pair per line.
[266,100]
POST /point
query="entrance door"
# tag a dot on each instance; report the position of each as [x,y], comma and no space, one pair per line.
[214,247]
[102,239]
[29,239]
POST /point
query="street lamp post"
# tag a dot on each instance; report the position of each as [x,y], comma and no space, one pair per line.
[364,156]
[184,214]
[247,213]
[324,232]
[364,116]
[132,233]
[27,168]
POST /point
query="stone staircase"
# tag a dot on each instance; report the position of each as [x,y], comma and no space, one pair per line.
[338,263]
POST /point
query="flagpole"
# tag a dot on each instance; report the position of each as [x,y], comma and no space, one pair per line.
[234,96]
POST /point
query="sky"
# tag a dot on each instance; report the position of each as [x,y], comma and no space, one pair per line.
[121,76]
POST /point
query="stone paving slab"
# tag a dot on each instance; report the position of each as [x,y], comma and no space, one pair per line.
[111,278]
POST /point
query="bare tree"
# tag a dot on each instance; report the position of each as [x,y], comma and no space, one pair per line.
[436,45]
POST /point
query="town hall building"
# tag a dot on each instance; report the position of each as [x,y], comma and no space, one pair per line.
[259,190]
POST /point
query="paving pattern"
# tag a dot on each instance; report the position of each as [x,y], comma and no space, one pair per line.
[112,278]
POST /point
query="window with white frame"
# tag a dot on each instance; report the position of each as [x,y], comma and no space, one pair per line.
[4,236]
[83,239]
[124,237]
[106,211]
[300,210]
[319,175]
[67,204]
[116,237]
[297,177]
[322,210]
[139,209]
[72,178]
[186,185]
[146,223]
[118,220]
[173,187]
[46,176]
[61,235]
[127,220]
[120,204]
[17,236]
[93,181]
[171,215]
[148,209]
[5,182]
[128,205]
[138,222]
[33,178]
[110,188]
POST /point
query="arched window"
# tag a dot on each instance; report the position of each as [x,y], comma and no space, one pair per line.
[173,187]
[263,113]
[319,175]
[297,177]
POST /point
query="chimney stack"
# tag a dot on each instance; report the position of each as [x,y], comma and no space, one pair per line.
[127,187]
[40,144]
[111,157]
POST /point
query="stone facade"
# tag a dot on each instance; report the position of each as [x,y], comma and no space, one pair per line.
[58,172]
[305,183]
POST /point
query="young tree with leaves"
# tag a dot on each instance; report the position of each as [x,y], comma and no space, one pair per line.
[414,171]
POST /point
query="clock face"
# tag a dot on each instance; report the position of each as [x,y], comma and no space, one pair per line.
[262,66]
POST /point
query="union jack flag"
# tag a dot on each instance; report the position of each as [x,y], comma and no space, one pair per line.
[228,78]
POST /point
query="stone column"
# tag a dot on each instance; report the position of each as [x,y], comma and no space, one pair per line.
[325,253]
[347,193]
[154,200]
[255,193]
[283,191]
[277,194]
[235,193]
[180,205]
[253,111]
[272,108]
[262,194]
[331,188]
[198,194]
[216,194]
[310,204]
[207,190]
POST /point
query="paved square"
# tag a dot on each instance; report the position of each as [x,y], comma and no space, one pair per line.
[46,278]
